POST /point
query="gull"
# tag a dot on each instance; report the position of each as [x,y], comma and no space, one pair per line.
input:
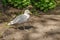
[21,18]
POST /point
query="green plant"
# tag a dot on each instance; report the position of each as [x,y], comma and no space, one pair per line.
[44,5]
[58,2]
[4,2]
[17,3]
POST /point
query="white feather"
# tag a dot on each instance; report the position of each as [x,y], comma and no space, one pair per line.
[21,18]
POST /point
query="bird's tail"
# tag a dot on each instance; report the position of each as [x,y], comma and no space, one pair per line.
[11,23]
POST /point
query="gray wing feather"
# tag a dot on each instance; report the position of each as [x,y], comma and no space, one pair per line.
[20,19]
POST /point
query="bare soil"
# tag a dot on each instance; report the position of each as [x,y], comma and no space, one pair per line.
[44,27]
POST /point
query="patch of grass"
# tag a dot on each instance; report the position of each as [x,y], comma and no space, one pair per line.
[6,25]
[58,2]
[1,34]
[0,14]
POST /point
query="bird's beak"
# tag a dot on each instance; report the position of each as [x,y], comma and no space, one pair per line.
[30,13]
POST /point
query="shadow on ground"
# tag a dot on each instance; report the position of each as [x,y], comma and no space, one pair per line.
[44,27]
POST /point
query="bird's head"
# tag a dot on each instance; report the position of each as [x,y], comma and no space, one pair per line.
[27,12]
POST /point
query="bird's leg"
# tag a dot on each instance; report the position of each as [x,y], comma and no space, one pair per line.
[29,24]
[23,26]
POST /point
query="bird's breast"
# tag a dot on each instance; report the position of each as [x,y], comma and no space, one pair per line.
[28,16]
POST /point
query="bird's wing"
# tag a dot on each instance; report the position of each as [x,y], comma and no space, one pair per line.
[20,19]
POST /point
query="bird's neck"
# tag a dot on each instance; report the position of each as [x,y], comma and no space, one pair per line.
[26,14]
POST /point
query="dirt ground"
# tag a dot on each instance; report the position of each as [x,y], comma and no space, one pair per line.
[44,27]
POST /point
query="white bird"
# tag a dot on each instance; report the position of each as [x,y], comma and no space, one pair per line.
[21,18]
